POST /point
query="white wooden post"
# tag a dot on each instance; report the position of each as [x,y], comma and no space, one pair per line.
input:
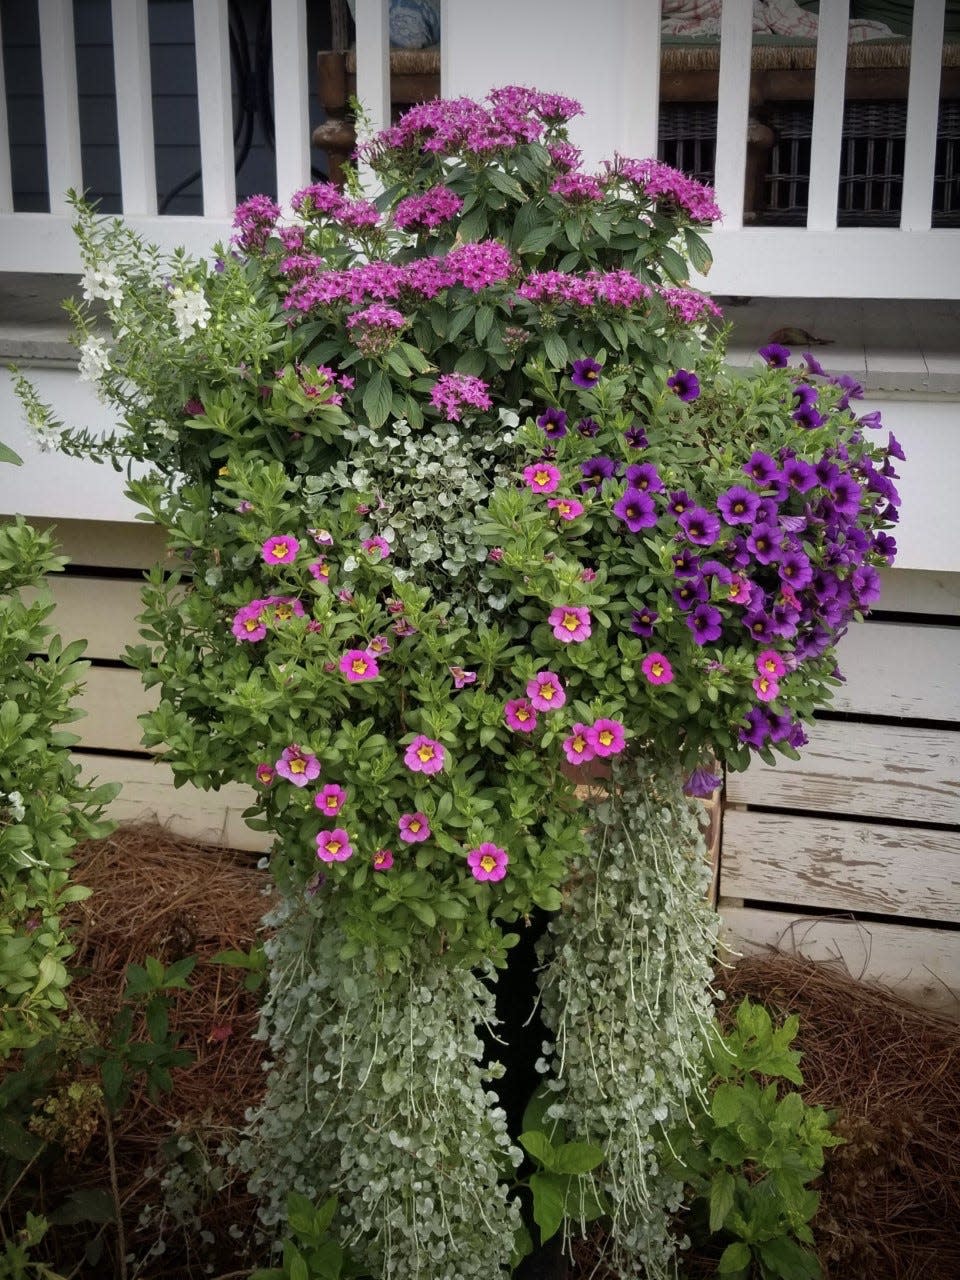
[828,101]
[6,183]
[131,70]
[215,107]
[61,116]
[641,80]
[291,95]
[373,61]
[733,103]
[923,102]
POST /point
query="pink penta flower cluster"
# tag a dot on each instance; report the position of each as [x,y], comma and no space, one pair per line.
[429,211]
[322,199]
[660,182]
[577,188]
[454,392]
[375,329]
[689,305]
[254,221]
[620,290]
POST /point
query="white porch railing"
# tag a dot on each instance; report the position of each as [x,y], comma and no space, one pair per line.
[607,55]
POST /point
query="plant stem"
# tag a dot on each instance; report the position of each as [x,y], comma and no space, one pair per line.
[115,1188]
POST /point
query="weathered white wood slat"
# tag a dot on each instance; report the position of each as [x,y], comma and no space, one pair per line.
[101,611]
[641,77]
[131,67]
[61,115]
[733,97]
[846,866]
[827,128]
[919,964]
[900,669]
[875,771]
[215,107]
[108,544]
[373,61]
[112,698]
[6,184]
[919,591]
[148,794]
[923,101]
[291,95]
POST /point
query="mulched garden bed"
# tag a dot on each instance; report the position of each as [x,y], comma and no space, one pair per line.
[891,1194]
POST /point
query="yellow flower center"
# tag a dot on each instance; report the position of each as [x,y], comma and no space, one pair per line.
[541,477]
[358,666]
[548,691]
[579,744]
[571,621]
[657,668]
[298,766]
[425,753]
[414,826]
[280,550]
[251,624]
[488,863]
[284,612]
[605,736]
[333,846]
[522,714]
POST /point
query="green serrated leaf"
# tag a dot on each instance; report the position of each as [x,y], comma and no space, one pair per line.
[549,1196]
[378,398]
[734,1260]
[723,1185]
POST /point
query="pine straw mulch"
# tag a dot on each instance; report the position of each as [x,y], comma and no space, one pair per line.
[891,1195]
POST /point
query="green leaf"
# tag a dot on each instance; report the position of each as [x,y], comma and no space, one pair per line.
[538,239]
[549,898]
[698,252]
[722,1188]
[578,1157]
[555,349]
[7,455]
[788,1260]
[298,1267]
[735,1258]
[540,1147]
[377,398]
[726,1104]
[549,1195]
[18,1142]
[91,1204]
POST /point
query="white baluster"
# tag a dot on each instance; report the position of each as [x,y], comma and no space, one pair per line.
[131,69]
[373,61]
[61,116]
[6,182]
[291,95]
[828,101]
[923,101]
[733,101]
[641,108]
[215,107]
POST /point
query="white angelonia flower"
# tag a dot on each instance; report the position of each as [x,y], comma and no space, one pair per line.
[17,809]
[102,284]
[94,359]
[190,311]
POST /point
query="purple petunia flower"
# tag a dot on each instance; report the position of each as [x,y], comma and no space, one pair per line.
[680,501]
[700,526]
[776,356]
[585,373]
[795,568]
[553,423]
[686,563]
[738,505]
[814,365]
[804,393]
[894,447]
[642,620]
[701,784]
[595,471]
[635,437]
[760,626]
[764,543]
[587,428]
[684,384]
[706,623]
[761,468]
[690,592]
[885,546]
[756,734]
[799,475]
[808,417]
[636,510]
[645,477]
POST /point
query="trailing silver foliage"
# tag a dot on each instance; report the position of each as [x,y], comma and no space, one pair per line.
[378,1095]
[626,995]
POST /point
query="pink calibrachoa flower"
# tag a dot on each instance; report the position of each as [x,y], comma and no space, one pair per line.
[566,508]
[520,715]
[265,774]
[331,799]
[766,688]
[571,623]
[578,748]
[322,537]
[379,645]
[607,737]
[488,862]
[248,622]
[541,477]
[334,846]
[359,664]
[320,570]
[462,678]
[280,550]
[770,663]
[414,827]
[424,755]
[383,860]
[657,669]
[297,766]
[376,543]
[545,691]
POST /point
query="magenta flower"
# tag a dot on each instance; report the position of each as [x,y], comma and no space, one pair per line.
[331,799]
[769,663]
[520,715]
[359,664]
[265,774]
[248,623]
[566,508]
[334,846]
[454,392]
[376,543]
[462,678]
[657,669]
[541,477]
[571,623]
[766,688]
[545,691]
[607,737]
[320,570]
[578,748]
[379,645]
[280,550]
[428,211]
[488,862]
[424,755]
[414,828]
[322,537]
[297,766]
[383,860]
[585,373]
